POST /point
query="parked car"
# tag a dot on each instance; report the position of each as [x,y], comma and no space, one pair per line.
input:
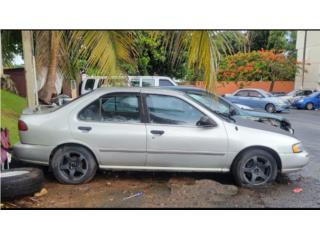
[310,102]
[278,94]
[90,83]
[258,99]
[296,94]
[217,103]
[152,129]
[244,107]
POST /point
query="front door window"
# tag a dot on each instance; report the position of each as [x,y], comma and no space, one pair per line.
[171,110]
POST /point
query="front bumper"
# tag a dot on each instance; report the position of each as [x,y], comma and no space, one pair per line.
[282,108]
[299,105]
[32,153]
[294,161]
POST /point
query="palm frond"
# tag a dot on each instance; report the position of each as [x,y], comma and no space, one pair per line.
[104,49]
[205,49]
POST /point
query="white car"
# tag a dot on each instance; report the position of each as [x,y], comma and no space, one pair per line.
[294,95]
[152,129]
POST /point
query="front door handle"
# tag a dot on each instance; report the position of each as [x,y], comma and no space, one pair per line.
[157,132]
[82,128]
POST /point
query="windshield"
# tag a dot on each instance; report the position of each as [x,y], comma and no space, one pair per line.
[267,93]
[291,93]
[213,102]
[315,94]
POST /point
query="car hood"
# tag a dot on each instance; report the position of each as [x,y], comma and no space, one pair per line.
[258,125]
[262,115]
[285,98]
[277,100]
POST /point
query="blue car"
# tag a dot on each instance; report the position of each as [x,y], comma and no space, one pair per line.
[258,99]
[310,102]
[223,106]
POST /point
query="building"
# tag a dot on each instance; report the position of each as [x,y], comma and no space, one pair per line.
[312,59]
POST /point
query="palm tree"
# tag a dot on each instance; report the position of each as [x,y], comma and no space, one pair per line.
[205,49]
[103,50]
[48,89]
[62,50]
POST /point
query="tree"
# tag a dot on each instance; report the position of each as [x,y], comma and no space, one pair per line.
[277,41]
[48,90]
[11,46]
[257,40]
[256,66]
[204,50]
[104,51]
[153,58]
[101,50]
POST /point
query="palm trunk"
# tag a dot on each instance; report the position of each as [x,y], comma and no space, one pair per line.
[271,86]
[49,90]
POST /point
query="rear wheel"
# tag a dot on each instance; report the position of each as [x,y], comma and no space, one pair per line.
[255,168]
[270,108]
[73,165]
[309,106]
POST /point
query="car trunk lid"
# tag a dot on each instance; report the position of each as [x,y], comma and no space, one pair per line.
[41,109]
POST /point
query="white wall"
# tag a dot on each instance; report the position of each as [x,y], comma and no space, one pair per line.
[312,76]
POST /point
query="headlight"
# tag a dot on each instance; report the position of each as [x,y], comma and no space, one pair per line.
[297,148]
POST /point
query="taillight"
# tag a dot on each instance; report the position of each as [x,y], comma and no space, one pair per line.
[22,126]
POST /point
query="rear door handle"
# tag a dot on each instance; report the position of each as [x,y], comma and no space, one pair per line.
[158,132]
[84,128]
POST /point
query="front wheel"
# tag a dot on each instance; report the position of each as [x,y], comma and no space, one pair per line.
[270,108]
[309,106]
[255,168]
[73,165]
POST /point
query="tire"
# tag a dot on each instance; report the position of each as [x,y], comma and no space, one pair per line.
[255,168]
[270,108]
[73,165]
[309,106]
[19,182]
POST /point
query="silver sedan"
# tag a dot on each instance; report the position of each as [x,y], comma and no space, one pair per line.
[152,129]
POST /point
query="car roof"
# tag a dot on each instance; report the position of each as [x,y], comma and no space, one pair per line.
[256,89]
[184,88]
[156,90]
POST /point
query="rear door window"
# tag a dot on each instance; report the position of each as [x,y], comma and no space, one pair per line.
[254,94]
[121,108]
[242,93]
[113,108]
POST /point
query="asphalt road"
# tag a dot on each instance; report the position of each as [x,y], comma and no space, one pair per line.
[149,189]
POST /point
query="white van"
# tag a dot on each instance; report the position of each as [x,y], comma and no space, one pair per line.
[150,81]
[90,83]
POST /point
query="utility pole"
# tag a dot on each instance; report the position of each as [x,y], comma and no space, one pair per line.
[29,68]
[1,66]
[304,57]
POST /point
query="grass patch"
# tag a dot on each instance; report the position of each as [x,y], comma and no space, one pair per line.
[11,108]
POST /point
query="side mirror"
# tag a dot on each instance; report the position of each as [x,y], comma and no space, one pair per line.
[233,111]
[206,122]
